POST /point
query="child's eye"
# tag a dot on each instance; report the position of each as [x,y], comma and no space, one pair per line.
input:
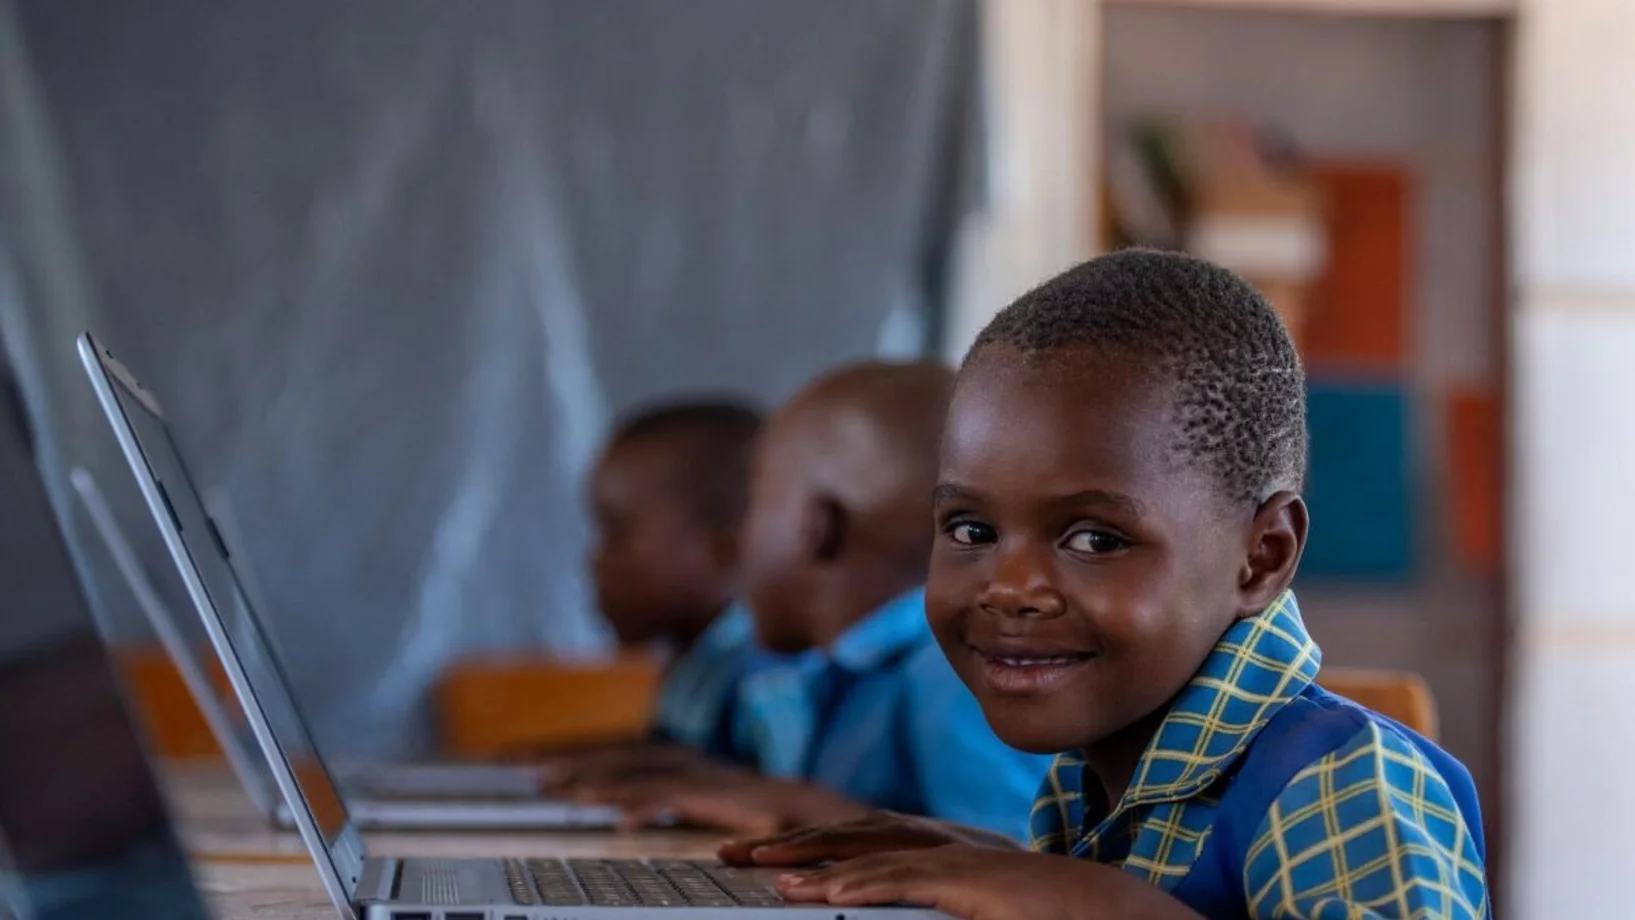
[1095,542]
[970,533]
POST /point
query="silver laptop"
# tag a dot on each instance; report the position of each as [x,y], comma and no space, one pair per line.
[401,889]
[376,779]
[401,796]
[383,795]
[84,829]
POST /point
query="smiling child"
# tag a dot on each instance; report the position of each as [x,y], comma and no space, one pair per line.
[1118,521]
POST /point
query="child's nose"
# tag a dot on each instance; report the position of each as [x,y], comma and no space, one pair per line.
[1021,585]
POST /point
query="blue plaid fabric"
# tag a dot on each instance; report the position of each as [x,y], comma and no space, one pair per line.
[1371,827]
[699,690]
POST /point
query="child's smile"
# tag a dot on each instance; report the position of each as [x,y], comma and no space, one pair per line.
[1025,665]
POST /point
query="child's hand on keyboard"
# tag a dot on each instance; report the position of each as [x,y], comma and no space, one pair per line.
[732,800]
[880,832]
[979,883]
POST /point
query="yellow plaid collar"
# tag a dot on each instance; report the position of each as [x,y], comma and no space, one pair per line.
[1257,667]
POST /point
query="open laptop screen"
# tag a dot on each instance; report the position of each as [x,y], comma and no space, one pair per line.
[83,829]
[184,638]
[199,547]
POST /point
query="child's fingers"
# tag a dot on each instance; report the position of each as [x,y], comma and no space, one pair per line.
[787,849]
[649,805]
[826,878]
[727,812]
[796,887]
[904,887]
[740,852]
[877,833]
[660,804]
[880,879]
[831,843]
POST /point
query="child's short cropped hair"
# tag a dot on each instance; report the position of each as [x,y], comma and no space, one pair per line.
[1238,387]
[713,439]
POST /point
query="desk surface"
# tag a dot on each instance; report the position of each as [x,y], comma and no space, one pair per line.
[249,870]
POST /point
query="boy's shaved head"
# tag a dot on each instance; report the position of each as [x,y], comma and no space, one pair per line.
[868,435]
[840,507]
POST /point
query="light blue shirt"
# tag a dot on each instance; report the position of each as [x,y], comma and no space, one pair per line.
[699,691]
[880,717]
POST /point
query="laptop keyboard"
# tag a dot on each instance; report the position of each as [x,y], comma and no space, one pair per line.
[634,883]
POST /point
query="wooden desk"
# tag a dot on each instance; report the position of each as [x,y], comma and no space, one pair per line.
[249,870]
[288,892]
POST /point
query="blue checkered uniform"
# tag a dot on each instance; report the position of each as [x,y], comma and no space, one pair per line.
[1262,795]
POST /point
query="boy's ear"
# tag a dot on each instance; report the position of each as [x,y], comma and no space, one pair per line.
[1277,537]
[823,528]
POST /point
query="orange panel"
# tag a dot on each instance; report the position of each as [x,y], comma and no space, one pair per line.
[1400,695]
[490,707]
[1359,306]
[322,797]
[163,704]
[1476,477]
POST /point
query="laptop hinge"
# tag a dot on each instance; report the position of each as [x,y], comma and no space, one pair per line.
[378,883]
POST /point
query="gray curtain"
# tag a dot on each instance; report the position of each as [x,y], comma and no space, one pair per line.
[393,266]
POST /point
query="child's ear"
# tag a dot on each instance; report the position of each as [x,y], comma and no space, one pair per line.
[1277,537]
[823,528]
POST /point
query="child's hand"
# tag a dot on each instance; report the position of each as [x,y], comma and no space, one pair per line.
[880,832]
[977,883]
[563,772]
[734,801]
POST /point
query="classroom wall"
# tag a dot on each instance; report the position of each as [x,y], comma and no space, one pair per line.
[1574,443]
[1040,60]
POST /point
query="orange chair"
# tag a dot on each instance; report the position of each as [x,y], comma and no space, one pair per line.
[1401,695]
[164,707]
[489,707]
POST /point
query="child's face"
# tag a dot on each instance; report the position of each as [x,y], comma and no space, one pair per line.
[657,566]
[1080,573]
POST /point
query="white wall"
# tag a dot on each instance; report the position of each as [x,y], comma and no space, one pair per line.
[1573,225]
[1041,58]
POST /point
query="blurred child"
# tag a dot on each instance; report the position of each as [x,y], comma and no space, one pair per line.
[1119,521]
[834,553]
[667,496]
